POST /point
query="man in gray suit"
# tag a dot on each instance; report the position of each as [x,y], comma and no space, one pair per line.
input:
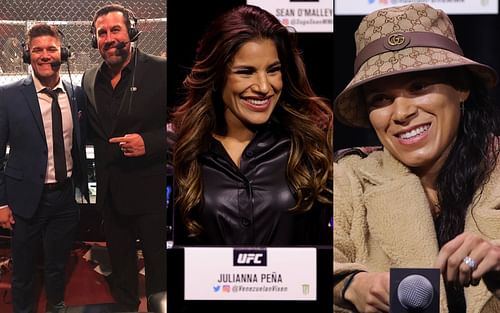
[127,114]
[39,122]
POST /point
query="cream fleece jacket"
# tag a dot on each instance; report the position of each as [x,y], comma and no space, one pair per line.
[382,219]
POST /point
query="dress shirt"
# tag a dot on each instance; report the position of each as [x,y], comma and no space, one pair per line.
[109,99]
[45,102]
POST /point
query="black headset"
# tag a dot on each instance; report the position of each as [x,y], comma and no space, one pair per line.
[133,33]
[65,52]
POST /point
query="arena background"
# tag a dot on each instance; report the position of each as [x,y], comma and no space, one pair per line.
[74,19]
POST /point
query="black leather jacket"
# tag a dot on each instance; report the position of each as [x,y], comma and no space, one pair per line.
[250,205]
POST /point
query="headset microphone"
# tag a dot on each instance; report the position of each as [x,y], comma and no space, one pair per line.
[55,65]
[122,44]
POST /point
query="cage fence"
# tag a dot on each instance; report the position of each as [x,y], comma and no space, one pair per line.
[74,19]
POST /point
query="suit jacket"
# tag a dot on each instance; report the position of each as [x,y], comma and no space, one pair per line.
[21,127]
[136,184]
[383,220]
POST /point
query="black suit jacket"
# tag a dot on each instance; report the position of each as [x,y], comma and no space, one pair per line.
[136,184]
[21,127]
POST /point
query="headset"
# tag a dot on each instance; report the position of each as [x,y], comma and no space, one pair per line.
[133,35]
[133,32]
[65,51]
[65,55]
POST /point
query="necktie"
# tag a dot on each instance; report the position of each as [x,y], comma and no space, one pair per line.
[57,137]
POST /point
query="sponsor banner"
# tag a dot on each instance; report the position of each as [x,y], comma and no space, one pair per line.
[363,7]
[313,16]
[250,274]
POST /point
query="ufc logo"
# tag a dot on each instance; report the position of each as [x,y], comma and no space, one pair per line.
[247,257]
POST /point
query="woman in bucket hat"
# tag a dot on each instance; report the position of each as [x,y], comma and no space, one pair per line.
[431,197]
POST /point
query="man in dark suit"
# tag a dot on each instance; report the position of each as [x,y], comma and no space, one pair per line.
[127,111]
[39,122]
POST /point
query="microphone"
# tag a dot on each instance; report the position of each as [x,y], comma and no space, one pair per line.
[122,44]
[414,290]
[157,302]
[56,65]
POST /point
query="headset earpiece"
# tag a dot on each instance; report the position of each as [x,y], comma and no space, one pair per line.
[26,53]
[133,31]
[93,40]
[65,50]
[65,54]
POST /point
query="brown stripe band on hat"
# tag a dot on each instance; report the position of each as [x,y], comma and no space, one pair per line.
[399,41]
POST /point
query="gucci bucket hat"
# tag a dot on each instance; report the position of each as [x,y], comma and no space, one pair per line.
[402,39]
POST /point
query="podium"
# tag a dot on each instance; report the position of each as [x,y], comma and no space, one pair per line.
[316,297]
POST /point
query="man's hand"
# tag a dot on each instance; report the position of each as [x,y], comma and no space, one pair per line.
[6,218]
[132,145]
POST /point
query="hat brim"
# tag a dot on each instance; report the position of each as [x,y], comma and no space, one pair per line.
[349,106]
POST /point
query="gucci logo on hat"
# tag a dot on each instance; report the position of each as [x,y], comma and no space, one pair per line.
[396,41]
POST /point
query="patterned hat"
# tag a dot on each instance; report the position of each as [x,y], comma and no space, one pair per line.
[397,40]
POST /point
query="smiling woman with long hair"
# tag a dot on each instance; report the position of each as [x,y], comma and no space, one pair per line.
[253,142]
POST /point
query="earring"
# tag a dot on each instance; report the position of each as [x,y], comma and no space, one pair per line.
[462,108]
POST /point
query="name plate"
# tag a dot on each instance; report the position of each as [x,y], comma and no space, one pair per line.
[250,274]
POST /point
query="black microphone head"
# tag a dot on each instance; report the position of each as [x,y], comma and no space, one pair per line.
[415,292]
[120,45]
[55,65]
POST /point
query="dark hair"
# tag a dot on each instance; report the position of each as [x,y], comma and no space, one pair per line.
[42,29]
[303,115]
[128,14]
[472,158]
